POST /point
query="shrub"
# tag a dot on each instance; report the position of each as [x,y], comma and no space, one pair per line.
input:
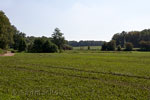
[30,48]
[118,48]
[111,46]
[1,51]
[128,46]
[67,47]
[104,46]
[42,46]
[49,47]
[88,47]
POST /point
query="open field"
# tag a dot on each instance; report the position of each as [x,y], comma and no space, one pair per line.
[76,76]
[86,48]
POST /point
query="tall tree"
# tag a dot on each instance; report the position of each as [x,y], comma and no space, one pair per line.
[58,39]
[133,37]
[6,31]
[22,45]
[38,45]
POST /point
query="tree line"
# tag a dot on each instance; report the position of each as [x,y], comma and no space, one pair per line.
[111,46]
[85,43]
[134,37]
[129,40]
[11,37]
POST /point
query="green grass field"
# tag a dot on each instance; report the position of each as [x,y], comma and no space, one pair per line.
[76,76]
[86,48]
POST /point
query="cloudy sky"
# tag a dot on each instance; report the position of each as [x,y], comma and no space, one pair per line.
[78,19]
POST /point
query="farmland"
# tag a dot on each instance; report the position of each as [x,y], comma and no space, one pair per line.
[86,48]
[75,75]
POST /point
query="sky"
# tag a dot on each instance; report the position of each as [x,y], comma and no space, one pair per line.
[78,19]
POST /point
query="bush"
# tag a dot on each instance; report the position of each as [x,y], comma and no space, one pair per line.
[42,46]
[104,46]
[67,47]
[30,48]
[49,47]
[1,51]
[111,46]
[118,48]
[128,46]
[13,51]
[88,47]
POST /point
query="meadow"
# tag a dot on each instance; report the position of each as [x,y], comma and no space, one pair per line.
[75,75]
[86,48]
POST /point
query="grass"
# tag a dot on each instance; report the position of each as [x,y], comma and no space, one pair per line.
[86,48]
[76,76]
[2,51]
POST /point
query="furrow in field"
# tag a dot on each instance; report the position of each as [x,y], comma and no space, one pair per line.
[76,75]
[96,72]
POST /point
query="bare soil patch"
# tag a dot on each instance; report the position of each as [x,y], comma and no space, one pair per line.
[9,53]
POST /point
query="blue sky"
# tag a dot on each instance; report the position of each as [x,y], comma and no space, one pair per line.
[78,19]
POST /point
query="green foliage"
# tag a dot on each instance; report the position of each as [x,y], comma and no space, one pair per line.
[18,38]
[128,46]
[85,43]
[58,39]
[145,45]
[92,48]
[13,51]
[41,45]
[104,46]
[6,31]
[88,47]
[22,45]
[110,46]
[38,45]
[133,37]
[49,47]
[118,48]
[1,51]
[67,47]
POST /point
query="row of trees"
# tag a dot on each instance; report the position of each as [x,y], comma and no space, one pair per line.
[134,37]
[111,46]
[10,37]
[85,43]
[145,45]
[138,39]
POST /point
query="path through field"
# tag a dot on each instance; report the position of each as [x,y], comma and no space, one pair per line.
[8,54]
